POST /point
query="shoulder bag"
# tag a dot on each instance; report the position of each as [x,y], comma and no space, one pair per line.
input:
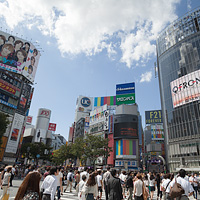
[176,190]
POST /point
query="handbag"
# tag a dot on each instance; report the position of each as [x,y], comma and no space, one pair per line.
[176,190]
[144,192]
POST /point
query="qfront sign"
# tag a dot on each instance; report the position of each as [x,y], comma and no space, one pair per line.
[125,99]
[126,88]
[186,89]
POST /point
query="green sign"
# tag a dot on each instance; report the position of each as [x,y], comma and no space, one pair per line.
[125,99]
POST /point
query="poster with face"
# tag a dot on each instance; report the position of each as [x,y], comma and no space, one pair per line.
[15,133]
[18,55]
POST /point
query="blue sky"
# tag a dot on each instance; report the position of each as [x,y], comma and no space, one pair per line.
[89,47]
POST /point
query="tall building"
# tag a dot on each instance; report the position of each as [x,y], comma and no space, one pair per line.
[178,52]
[18,65]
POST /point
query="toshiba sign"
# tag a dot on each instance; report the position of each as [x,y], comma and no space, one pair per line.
[186,89]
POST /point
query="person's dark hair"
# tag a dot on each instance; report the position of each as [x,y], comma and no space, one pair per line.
[70,170]
[59,168]
[124,172]
[30,67]
[1,169]
[113,172]
[85,168]
[17,42]
[3,38]
[139,176]
[11,37]
[31,182]
[167,176]
[35,51]
[146,177]
[182,173]
[27,43]
[152,177]
[9,169]
[129,173]
[172,176]
[78,172]
[53,170]
[84,177]
[108,168]
[99,172]
[91,181]
[158,177]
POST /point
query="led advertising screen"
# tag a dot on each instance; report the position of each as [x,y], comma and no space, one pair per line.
[125,99]
[100,101]
[153,117]
[18,55]
[186,89]
[126,130]
[125,149]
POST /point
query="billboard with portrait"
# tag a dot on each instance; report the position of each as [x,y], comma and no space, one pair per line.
[186,89]
[15,133]
[18,55]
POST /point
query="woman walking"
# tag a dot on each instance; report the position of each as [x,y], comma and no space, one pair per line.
[90,188]
[158,181]
[152,185]
[29,189]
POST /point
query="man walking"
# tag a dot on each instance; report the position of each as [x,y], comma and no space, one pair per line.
[13,171]
[69,181]
[106,177]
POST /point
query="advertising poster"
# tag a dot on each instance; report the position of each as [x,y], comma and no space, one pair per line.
[100,101]
[52,127]
[125,148]
[153,117]
[15,133]
[110,160]
[126,88]
[157,132]
[186,89]
[40,135]
[9,88]
[84,104]
[18,55]
[125,99]
[29,119]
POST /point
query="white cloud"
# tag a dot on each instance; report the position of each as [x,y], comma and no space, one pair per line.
[90,26]
[146,77]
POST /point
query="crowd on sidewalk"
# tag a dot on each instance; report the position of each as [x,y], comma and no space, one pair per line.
[90,184]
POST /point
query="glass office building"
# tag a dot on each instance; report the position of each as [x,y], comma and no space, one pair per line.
[178,55]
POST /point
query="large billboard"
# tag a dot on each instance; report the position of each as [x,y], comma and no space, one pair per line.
[100,101]
[157,132]
[18,55]
[84,104]
[126,88]
[125,99]
[15,133]
[125,149]
[126,130]
[186,89]
[153,117]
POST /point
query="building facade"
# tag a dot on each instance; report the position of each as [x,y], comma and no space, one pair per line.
[178,53]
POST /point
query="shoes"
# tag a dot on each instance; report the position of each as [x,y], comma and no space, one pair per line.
[70,191]
[64,190]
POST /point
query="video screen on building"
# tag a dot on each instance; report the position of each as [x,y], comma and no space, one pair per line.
[126,130]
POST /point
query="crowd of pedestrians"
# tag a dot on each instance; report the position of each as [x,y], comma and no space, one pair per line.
[90,184]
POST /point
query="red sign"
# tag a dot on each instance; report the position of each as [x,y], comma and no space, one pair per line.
[8,87]
[29,119]
[52,127]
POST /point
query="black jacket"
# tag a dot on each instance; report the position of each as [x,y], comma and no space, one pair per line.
[114,189]
[129,182]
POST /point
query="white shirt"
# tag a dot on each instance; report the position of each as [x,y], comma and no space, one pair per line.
[165,183]
[193,181]
[90,189]
[99,179]
[59,176]
[151,182]
[84,173]
[69,175]
[13,171]
[50,185]
[138,187]
[122,177]
[185,185]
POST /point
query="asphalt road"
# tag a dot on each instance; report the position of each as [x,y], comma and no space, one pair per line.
[65,196]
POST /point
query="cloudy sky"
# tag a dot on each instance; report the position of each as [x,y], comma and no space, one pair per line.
[89,46]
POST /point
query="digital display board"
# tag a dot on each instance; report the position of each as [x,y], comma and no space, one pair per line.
[126,130]
[126,88]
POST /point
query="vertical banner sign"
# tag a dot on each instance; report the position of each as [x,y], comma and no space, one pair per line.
[52,127]
[15,133]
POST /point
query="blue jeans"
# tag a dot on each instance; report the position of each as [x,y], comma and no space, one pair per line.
[58,192]
[90,197]
[195,191]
